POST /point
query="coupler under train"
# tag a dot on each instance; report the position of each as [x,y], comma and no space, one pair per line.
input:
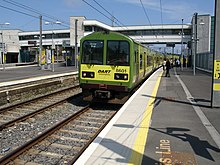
[98,95]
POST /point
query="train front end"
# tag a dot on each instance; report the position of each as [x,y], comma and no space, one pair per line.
[104,72]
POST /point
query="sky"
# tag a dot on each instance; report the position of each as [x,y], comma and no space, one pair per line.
[127,12]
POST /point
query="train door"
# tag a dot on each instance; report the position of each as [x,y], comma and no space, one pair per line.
[142,65]
[145,60]
[136,59]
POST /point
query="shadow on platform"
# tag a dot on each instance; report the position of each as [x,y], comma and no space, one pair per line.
[200,147]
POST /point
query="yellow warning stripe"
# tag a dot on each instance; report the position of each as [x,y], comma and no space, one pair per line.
[216,87]
[140,142]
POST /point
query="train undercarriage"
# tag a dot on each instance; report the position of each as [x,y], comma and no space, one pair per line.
[105,96]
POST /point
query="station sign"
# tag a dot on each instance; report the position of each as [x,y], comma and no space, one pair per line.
[32,43]
[53,46]
[170,45]
[2,46]
[66,43]
[217,70]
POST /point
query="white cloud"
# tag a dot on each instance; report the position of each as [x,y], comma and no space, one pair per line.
[171,9]
[147,3]
[73,3]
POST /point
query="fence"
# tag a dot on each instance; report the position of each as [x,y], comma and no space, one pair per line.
[204,61]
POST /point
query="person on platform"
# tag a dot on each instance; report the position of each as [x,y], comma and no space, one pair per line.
[167,68]
[177,63]
[164,64]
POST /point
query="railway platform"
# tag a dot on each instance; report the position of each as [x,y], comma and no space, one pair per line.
[15,73]
[167,121]
[24,82]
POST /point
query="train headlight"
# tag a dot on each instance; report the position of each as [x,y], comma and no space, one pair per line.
[88,74]
[120,76]
[92,75]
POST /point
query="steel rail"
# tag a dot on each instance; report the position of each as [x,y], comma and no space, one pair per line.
[40,110]
[18,151]
[90,141]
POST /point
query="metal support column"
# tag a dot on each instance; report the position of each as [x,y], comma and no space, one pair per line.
[182,47]
[3,52]
[216,60]
[195,43]
[40,46]
[76,47]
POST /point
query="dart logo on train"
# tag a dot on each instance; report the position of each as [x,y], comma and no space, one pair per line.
[104,71]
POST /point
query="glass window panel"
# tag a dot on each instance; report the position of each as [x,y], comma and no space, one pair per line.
[88,28]
[92,52]
[141,61]
[118,53]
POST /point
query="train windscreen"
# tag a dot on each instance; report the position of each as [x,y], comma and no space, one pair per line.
[92,52]
[118,53]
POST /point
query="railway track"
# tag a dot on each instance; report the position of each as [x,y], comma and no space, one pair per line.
[63,142]
[22,122]
[10,115]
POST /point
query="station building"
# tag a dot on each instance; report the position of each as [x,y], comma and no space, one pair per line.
[202,43]
[23,46]
[9,42]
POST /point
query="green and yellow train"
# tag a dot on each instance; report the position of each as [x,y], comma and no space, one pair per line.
[112,65]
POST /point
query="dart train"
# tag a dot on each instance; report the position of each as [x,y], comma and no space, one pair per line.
[111,65]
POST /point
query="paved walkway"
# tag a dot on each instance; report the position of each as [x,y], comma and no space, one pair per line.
[12,73]
[184,126]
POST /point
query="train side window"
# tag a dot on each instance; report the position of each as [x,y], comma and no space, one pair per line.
[141,61]
[135,56]
[149,60]
[145,59]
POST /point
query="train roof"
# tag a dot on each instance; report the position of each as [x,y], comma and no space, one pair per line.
[111,33]
[97,34]
[114,33]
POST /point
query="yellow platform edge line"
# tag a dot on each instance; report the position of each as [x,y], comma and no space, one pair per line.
[140,142]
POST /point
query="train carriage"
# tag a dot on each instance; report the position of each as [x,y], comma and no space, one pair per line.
[112,65]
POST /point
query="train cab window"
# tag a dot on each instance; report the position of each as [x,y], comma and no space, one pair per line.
[118,53]
[92,52]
